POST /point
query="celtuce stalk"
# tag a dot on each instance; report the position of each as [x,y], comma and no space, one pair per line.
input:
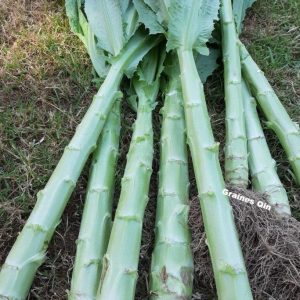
[119,273]
[279,121]
[172,261]
[261,164]
[28,252]
[236,156]
[188,26]
[227,260]
[97,220]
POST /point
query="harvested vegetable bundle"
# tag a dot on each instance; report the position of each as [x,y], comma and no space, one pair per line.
[97,220]
[111,33]
[188,26]
[172,262]
[126,51]
[119,273]
[236,155]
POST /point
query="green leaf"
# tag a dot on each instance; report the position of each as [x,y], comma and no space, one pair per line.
[155,5]
[149,41]
[132,102]
[191,23]
[98,58]
[72,14]
[105,19]
[124,5]
[130,95]
[171,65]
[151,66]
[207,19]
[148,17]
[160,7]
[239,12]
[206,65]
[130,20]
[82,29]
[146,82]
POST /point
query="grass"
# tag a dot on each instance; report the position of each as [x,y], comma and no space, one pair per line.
[45,80]
[46,86]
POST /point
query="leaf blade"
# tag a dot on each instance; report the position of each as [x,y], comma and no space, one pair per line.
[239,11]
[105,18]
[191,23]
[148,17]
[206,65]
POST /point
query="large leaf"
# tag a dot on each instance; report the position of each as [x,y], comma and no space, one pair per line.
[147,81]
[82,29]
[160,7]
[188,23]
[98,58]
[239,11]
[148,16]
[151,67]
[145,41]
[105,19]
[130,21]
[72,8]
[124,5]
[191,23]
[206,65]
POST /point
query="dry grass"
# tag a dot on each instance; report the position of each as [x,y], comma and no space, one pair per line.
[45,87]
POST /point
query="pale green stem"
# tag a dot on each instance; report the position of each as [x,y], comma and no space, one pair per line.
[172,261]
[28,252]
[222,239]
[279,121]
[262,165]
[236,158]
[119,273]
[96,220]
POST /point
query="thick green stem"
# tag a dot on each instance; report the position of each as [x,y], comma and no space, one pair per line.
[96,220]
[262,165]
[222,239]
[278,119]
[119,273]
[172,262]
[236,158]
[28,252]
